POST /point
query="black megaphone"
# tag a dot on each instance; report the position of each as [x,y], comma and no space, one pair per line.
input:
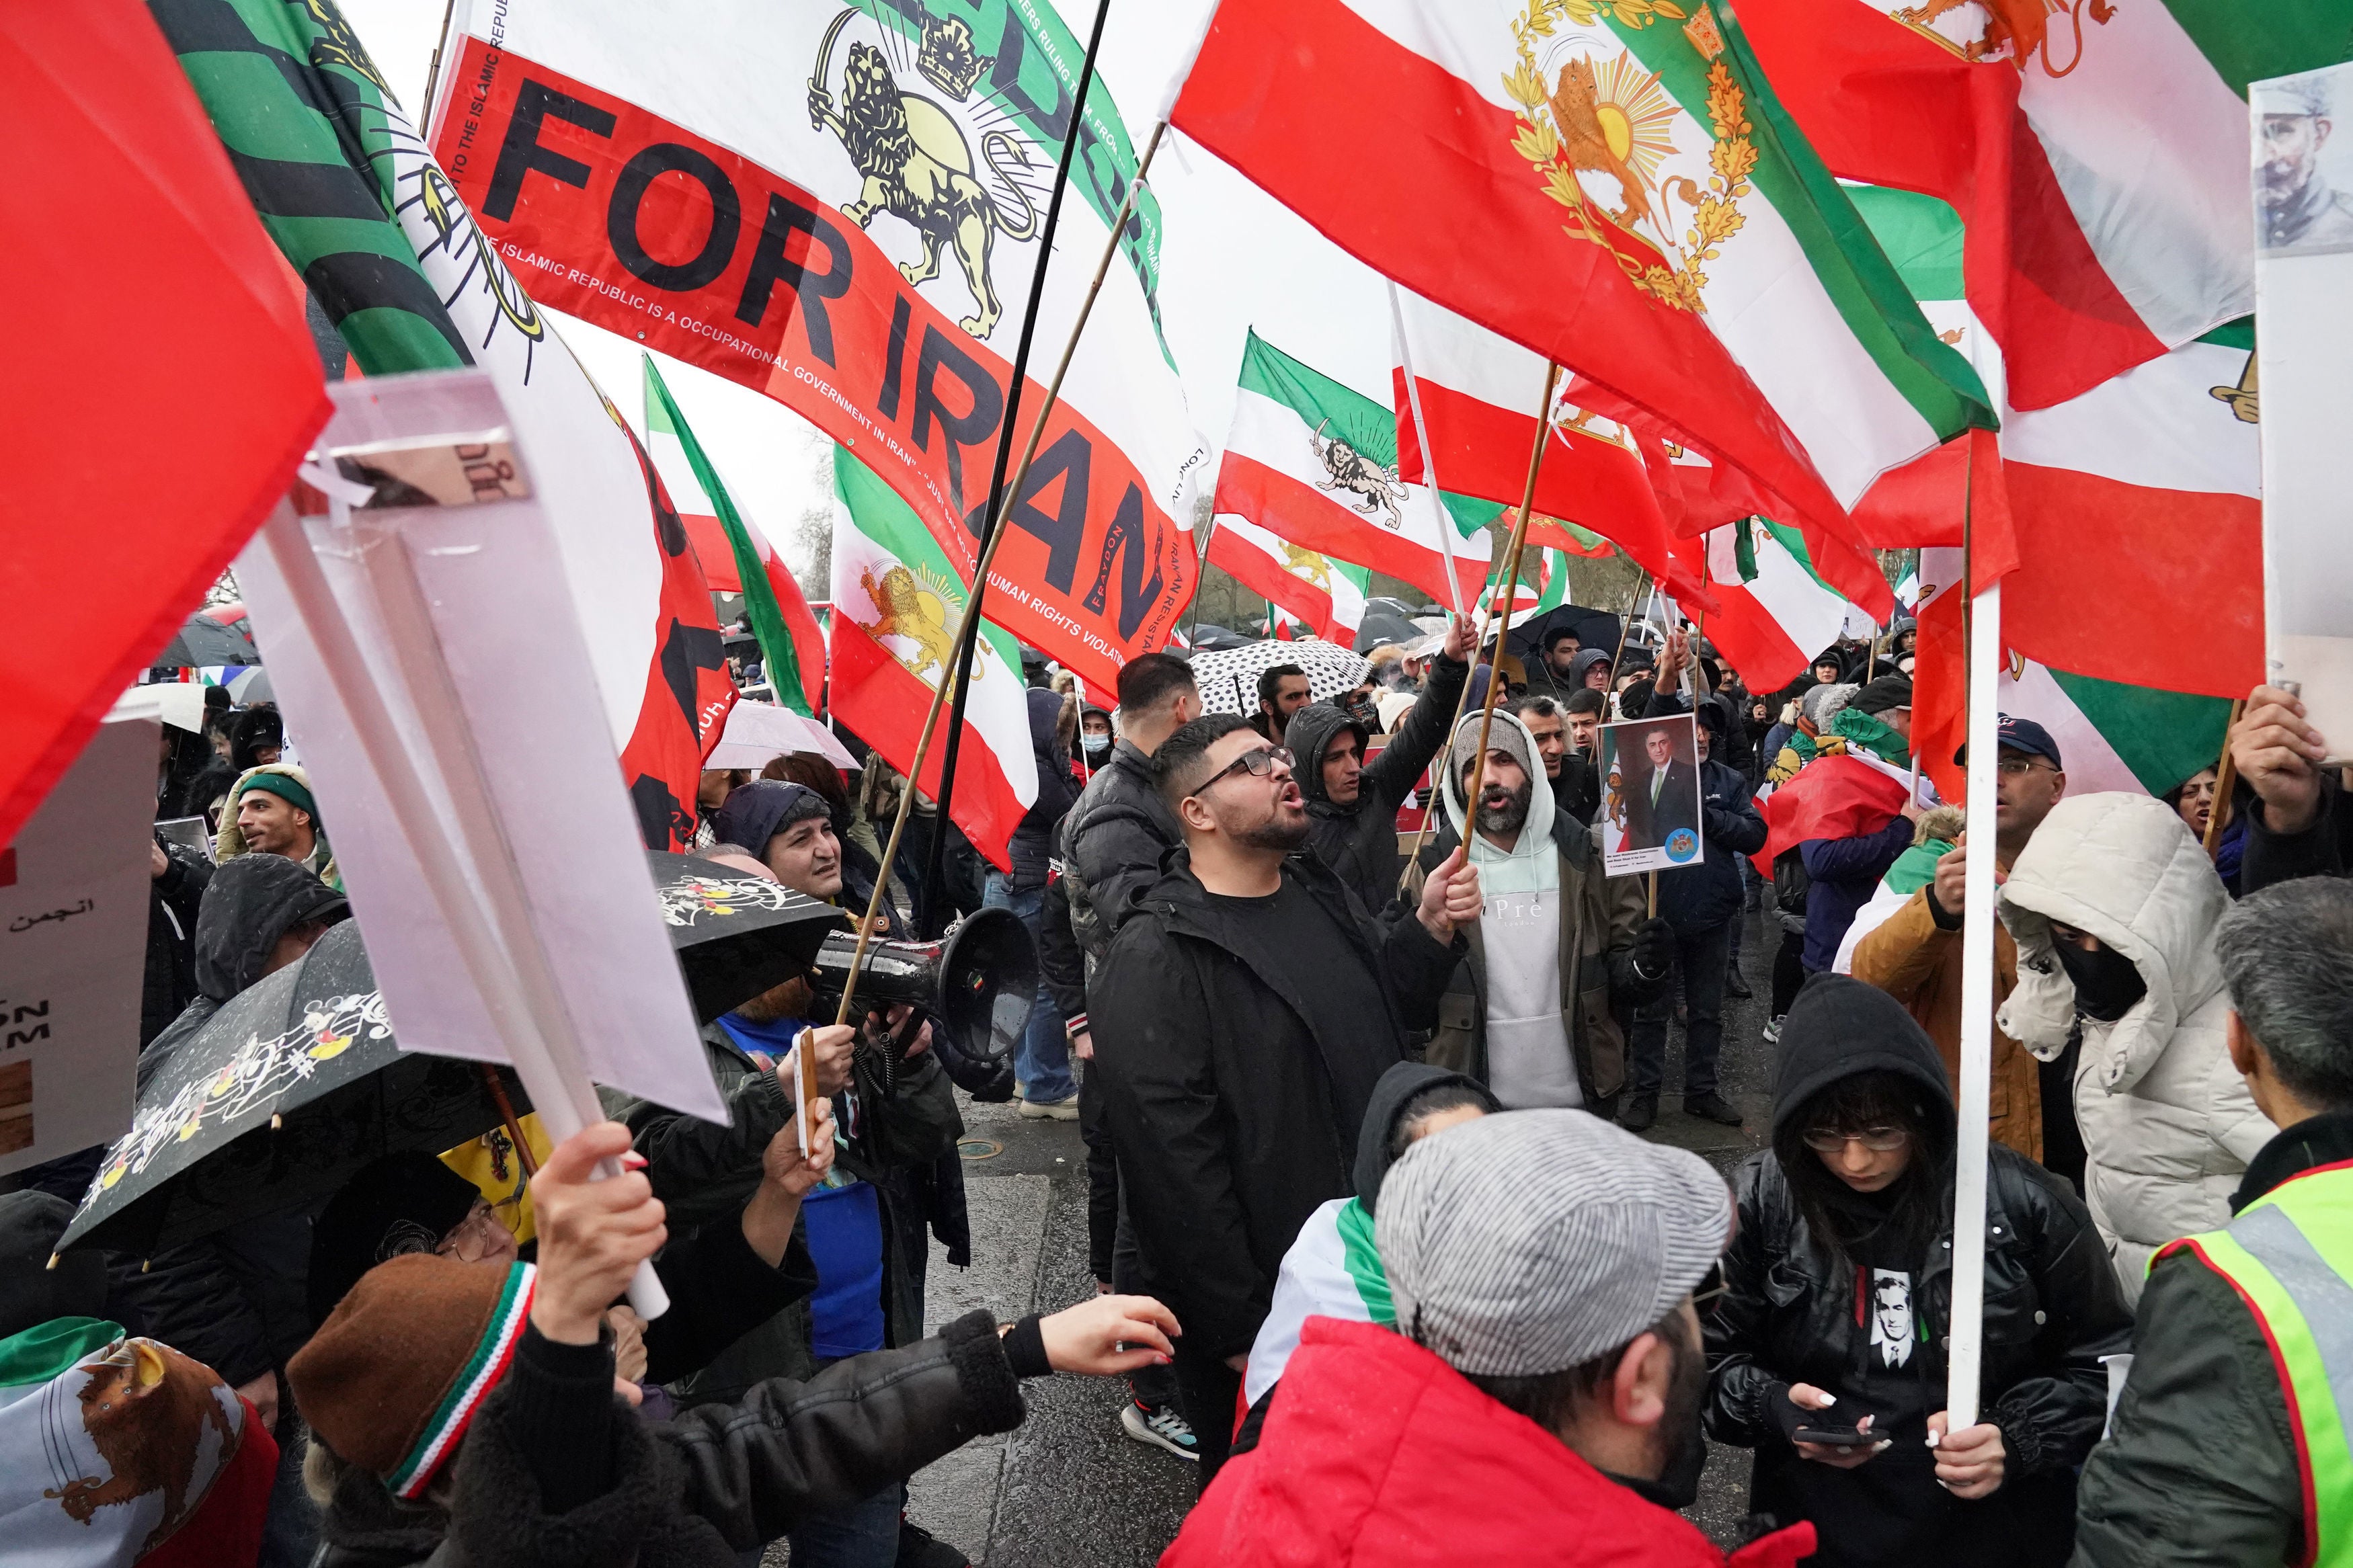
[979,981]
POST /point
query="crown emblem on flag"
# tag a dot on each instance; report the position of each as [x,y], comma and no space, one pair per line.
[946,58]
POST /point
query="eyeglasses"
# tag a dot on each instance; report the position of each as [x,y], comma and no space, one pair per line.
[2018,767]
[1258,762]
[1878,1139]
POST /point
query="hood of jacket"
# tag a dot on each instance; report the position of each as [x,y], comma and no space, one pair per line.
[2124,868]
[1371,1449]
[250,902]
[1312,729]
[1532,856]
[1582,665]
[1399,1084]
[1839,1026]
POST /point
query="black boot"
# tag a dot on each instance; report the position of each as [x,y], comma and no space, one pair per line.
[1639,1112]
[1711,1107]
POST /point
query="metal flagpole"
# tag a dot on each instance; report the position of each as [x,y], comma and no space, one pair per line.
[1428,458]
[969,627]
[968,632]
[1502,623]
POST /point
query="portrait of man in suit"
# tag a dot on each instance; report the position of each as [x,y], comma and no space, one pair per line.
[1662,784]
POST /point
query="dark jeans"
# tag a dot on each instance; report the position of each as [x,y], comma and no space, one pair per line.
[1212,1394]
[1788,970]
[1111,1240]
[1701,955]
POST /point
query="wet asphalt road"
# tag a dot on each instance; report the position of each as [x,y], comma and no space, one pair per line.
[1068,1489]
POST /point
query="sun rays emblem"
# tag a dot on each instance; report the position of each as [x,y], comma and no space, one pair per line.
[1598,129]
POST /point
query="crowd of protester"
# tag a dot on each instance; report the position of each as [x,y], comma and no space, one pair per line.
[1380,1249]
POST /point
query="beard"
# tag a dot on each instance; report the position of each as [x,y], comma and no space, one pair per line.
[1280,830]
[1679,1450]
[1502,811]
[790,1000]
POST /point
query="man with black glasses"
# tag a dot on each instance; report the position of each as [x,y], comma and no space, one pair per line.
[1242,1015]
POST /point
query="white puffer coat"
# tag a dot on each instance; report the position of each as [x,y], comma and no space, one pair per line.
[2168,1124]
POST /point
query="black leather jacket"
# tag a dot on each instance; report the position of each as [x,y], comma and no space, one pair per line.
[2053,1309]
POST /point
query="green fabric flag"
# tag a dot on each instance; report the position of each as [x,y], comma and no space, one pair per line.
[779,648]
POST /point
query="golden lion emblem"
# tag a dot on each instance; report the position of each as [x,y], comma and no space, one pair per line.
[1306,565]
[905,608]
[917,167]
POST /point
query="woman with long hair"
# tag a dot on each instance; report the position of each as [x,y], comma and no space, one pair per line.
[1826,1351]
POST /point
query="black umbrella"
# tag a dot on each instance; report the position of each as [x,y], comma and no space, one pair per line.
[205,640]
[275,1103]
[736,934]
[1376,628]
[1594,628]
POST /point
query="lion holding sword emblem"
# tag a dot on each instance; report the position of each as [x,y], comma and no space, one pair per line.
[916,164]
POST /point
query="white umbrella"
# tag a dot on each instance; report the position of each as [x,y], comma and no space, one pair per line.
[1229,678]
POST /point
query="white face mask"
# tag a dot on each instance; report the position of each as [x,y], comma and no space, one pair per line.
[1097,744]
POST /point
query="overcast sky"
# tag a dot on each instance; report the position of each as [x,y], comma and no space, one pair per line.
[1232,259]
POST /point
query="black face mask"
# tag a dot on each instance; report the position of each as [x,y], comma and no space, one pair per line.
[2107,984]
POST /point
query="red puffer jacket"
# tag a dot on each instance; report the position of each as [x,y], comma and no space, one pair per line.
[1378,1453]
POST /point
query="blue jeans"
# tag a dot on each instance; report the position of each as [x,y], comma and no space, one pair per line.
[864,1535]
[1043,1062]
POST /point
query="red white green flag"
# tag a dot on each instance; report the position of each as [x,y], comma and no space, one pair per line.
[840,206]
[1612,186]
[736,556]
[897,603]
[1775,612]
[1529,600]
[2098,153]
[1314,462]
[1327,596]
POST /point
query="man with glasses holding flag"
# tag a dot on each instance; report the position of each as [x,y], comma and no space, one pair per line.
[1241,1017]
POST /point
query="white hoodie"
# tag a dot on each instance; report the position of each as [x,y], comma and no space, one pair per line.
[2168,1124]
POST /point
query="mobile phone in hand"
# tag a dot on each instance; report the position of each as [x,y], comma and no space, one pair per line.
[1834,1436]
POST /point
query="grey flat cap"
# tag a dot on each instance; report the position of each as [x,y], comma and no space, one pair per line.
[1535,1240]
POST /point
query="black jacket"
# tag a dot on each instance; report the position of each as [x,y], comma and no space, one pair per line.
[1113,842]
[1793,1313]
[1703,897]
[1032,844]
[2204,1386]
[1359,840]
[694,1492]
[173,902]
[704,1173]
[2323,849]
[1233,1102]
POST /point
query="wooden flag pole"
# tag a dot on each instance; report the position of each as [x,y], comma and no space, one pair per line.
[1502,623]
[2226,773]
[970,627]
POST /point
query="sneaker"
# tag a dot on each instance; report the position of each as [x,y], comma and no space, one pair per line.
[919,1548]
[1711,1107]
[1161,1426]
[1639,1112]
[1773,1030]
[1051,1110]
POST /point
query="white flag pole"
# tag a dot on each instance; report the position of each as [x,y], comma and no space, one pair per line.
[1968,1322]
[560,1091]
[1428,458]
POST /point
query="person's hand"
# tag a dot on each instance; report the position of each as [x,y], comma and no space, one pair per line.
[593,1233]
[262,1395]
[1911,810]
[1449,897]
[157,861]
[887,1029]
[1968,1462]
[922,1042]
[2279,755]
[1670,662]
[1654,948]
[1082,1046]
[1458,638]
[1088,1337]
[1806,1396]
[1237,1362]
[830,1048]
[785,1177]
[1950,888]
[629,1343]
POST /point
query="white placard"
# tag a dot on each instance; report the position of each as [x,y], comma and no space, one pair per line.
[2303,300]
[73,951]
[494,598]
[1650,797]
